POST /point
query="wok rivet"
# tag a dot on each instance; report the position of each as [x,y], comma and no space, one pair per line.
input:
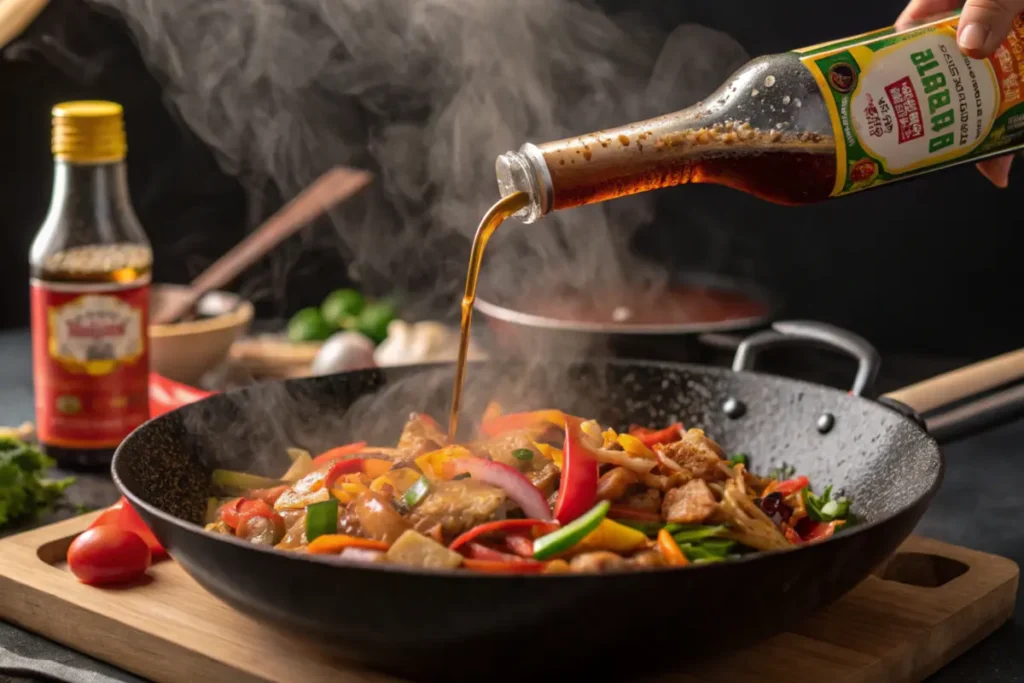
[826,421]
[733,408]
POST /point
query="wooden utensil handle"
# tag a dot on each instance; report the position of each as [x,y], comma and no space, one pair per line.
[16,15]
[959,385]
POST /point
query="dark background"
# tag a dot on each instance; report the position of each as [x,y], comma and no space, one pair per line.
[925,266]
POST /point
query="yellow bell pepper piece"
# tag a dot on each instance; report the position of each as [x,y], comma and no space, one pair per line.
[551,453]
[432,464]
[635,446]
[400,480]
[610,535]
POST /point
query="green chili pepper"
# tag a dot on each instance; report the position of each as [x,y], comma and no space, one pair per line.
[415,493]
[649,528]
[523,454]
[321,518]
[572,533]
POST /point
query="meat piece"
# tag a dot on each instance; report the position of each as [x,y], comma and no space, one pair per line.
[262,531]
[647,559]
[596,562]
[420,435]
[377,518]
[295,537]
[648,500]
[457,506]
[698,454]
[614,483]
[538,468]
[689,504]
[545,478]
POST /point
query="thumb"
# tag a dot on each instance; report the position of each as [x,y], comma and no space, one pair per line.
[984,24]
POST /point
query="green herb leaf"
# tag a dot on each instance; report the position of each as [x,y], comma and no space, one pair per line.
[24,492]
[783,472]
[461,475]
[823,508]
[523,454]
[696,532]
[739,459]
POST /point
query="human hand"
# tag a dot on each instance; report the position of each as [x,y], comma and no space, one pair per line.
[984,24]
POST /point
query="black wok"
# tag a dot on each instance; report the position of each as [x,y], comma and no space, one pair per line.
[426,625]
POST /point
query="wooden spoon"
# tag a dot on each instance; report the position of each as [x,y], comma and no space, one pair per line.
[330,189]
[16,16]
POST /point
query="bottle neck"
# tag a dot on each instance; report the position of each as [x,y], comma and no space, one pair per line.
[96,191]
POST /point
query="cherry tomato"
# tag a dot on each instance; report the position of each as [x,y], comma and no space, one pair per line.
[108,555]
[122,514]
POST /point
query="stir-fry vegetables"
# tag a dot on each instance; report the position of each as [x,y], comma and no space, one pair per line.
[539,492]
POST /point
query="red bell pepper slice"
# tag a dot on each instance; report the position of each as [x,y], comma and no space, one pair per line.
[122,515]
[519,544]
[340,469]
[517,421]
[339,452]
[626,512]
[496,567]
[792,536]
[478,551]
[502,525]
[649,437]
[577,491]
[166,395]
[792,485]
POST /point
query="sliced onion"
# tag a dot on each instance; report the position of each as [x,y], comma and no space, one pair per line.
[518,488]
[669,463]
[623,459]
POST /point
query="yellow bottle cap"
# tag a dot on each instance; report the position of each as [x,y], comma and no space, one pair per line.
[88,132]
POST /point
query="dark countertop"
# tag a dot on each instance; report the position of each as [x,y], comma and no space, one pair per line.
[978,506]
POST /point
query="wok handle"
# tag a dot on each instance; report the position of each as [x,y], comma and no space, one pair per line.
[785,332]
[968,400]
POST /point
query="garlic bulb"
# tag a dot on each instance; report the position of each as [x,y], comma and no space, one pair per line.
[344,352]
[422,342]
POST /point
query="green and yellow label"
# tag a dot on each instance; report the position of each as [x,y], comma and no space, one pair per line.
[908,103]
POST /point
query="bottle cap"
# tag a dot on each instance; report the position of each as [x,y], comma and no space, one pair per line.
[88,132]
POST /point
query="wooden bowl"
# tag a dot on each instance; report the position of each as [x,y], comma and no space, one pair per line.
[185,351]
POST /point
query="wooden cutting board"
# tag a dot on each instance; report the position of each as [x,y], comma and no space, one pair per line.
[931,602]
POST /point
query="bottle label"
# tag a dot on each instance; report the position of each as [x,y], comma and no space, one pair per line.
[908,103]
[90,358]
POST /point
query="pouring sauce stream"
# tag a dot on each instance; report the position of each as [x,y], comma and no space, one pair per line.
[494,217]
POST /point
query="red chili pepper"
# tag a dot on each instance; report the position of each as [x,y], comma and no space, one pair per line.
[577,491]
[792,536]
[792,485]
[122,515]
[520,545]
[818,531]
[494,567]
[339,452]
[166,395]
[477,551]
[626,512]
[339,469]
[502,525]
[650,437]
[268,496]
[228,512]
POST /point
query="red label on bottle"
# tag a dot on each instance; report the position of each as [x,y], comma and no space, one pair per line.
[90,362]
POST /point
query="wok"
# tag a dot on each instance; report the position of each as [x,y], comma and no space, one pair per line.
[433,625]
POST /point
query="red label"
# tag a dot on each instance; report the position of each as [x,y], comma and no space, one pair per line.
[90,362]
[908,111]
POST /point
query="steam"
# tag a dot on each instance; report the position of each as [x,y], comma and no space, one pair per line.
[425,93]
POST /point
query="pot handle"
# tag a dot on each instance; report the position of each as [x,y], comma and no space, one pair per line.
[786,332]
[965,401]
